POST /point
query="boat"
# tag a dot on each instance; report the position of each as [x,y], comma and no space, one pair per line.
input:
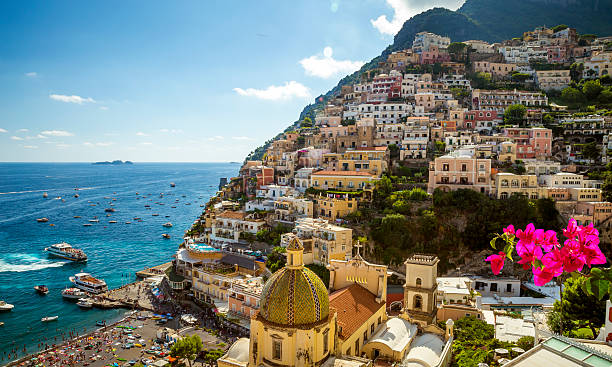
[84,303]
[155,215]
[41,289]
[94,220]
[165,235]
[168,224]
[65,251]
[1,323]
[5,306]
[77,216]
[100,323]
[87,225]
[76,195]
[45,195]
[73,293]
[109,210]
[172,184]
[137,218]
[128,222]
[49,318]
[112,221]
[88,283]
[58,198]
[42,220]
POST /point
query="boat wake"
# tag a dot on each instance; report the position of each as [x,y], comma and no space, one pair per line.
[19,263]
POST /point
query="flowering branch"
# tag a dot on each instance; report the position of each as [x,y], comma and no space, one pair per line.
[540,251]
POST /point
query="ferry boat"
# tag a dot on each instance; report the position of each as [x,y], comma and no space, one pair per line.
[5,306]
[49,318]
[94,220]
[65,251]
[42,220]
[73,293]
[84,303]
[88,283]
[165,235]
[167,224]
[109,210]
[41,289]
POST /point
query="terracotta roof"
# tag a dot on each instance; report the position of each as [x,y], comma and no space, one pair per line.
[341,173]
[232,215]
[354,305]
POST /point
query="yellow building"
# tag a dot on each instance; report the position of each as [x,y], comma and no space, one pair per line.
[507,184]
[372,160]
[322,241]
[332,206]
[341,180]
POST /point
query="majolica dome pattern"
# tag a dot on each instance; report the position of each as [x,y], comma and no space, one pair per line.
[294,296]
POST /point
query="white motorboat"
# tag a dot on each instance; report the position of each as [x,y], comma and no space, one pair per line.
[49,318]
[5,306]
[88,283]
[74,293]
[65,251]
[167,224]
[84,303]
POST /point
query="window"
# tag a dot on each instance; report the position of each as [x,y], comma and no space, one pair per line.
[277,350]
[418,302]
[419,282]
[325,341]
[464,167]
[357,347]
[445,167]
[372,329]
[493,287]
[508,287]
[365,335]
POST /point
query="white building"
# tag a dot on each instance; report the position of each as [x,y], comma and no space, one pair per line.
[423,41]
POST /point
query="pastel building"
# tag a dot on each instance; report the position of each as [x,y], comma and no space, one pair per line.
[459,171]
[535,142]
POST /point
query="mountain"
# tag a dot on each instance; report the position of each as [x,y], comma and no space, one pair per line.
[487,20]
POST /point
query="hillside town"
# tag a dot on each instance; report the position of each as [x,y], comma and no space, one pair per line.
[283,253]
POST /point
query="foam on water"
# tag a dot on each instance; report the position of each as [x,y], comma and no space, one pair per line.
[26,262]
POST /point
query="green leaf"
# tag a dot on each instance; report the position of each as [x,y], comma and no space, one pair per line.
[597,287]
[597,273]
[493,242]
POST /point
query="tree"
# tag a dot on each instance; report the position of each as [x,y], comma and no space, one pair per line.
[579,308]
[576,70]
[572,95]
[212,356]
[187,348]
[515,114]
[559,28]
[520,77]
[306,122]
[276,259]
[606,188]
[548,120]
[393,151]
[591,151]
[525,342]
[591,89]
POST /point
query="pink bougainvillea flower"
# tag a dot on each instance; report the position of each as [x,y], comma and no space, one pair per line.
[589,230]
[549,240]
[553,261]
[528,252]
[528,235]
[572,256]
[497,262]
[541,276]
[509,229]
[592,255]
[572,229]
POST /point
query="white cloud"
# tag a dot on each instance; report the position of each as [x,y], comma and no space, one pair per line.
[56,133]
[30,146]
[16,138]
[275,93]
[71,99]
[241,138]
[31,74]
[404,9]
[172,131]
[333,6]
[3,131]
[140,133]
[327,66]
[214,138]
[23,130]
[100,144]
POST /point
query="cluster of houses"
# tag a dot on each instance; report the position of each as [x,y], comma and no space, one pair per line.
[313,177]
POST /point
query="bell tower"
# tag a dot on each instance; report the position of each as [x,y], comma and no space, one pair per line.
[420,288]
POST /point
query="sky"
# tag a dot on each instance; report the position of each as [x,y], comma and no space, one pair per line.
[175,81]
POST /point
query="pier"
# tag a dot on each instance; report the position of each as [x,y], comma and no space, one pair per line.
[153,271]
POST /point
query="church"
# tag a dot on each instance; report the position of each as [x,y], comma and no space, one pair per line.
[302,322]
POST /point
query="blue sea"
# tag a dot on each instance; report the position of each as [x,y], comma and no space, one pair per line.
[115,251]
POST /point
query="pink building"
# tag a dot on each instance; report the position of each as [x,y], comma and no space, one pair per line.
[558,54]
[458,170]
[434,55]
[244,295]
[535,142]
[391,85]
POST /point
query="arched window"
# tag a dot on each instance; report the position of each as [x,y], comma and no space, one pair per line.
[503,195]
[418,302]
[419,282]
